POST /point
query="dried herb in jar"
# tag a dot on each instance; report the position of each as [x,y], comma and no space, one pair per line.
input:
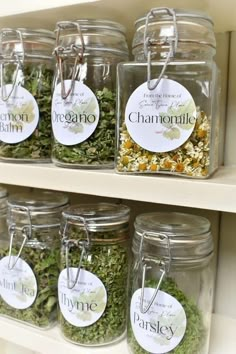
[195,332]
[190,159]
[44,263]
[99,148]
[110,264]
[37,79]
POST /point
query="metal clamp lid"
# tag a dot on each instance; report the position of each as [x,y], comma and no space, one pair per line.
[60,53]
[173,43]
[164,266]
[84,245]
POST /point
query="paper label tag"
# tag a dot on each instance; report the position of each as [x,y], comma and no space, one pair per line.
[75,118]
[162,328]
[85,303]
[162,119]
[18,286]
[19,115]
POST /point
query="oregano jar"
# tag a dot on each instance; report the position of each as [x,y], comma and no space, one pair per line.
[84,100]
[168,97]
[29,258]
[171,288]
[92,286]
[26,72]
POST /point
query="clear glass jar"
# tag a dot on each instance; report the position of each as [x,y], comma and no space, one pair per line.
[171,284]
[3,212]
[168,97]
[83,108]
[26,70]
[29,265]
[92,286]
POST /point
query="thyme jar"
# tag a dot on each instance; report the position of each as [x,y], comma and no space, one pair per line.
[29,265]
[172,284]
[92,287]
[83,107]
[26,72]
[168,97]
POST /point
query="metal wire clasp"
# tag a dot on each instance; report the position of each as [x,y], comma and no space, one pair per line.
[14,55]
[173,43]
[60,53]
[164,267]
[26,232]
[84,245]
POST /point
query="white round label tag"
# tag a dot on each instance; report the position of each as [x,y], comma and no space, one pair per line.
[75,118]
[162,328]
[162,119]
[19,115]
[85,303]
[18,286]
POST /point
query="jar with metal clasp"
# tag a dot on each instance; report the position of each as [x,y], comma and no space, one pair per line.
[172,281]
[92,286]
[29,258]
[168,97]
[3,212]
[26,72]
[87,52]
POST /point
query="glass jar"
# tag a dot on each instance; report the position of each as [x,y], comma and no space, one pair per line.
[92,286]
[29,265]
[26,72]
[172,284]
[3,211]
[83,108]
[168,97]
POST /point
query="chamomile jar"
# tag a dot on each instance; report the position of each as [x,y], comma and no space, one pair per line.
[168,97]
[171,287]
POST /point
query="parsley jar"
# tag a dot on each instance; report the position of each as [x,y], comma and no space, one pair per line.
[29,258]
[26,72]
[83,109]
[92,286]
[172,284]
[168,97]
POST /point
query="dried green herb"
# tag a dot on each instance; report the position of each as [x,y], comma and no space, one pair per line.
[37,79]
[194,337]
[99,148]
[45,264]
[110,264]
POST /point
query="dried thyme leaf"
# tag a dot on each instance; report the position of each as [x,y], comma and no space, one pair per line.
[99,148]
[110,264]
[37,79]
[45,264]
[194,337]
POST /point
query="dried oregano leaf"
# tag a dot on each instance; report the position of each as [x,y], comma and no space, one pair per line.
[99,148]
[194,337]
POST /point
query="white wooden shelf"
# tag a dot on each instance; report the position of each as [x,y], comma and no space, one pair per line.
[223,339]
[215,193]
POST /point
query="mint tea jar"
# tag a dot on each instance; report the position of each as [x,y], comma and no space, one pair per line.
[171,284]
[168,97]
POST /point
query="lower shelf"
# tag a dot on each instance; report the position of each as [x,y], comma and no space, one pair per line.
[223,339]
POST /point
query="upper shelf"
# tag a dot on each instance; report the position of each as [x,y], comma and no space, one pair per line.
[216,193]
[45,13]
